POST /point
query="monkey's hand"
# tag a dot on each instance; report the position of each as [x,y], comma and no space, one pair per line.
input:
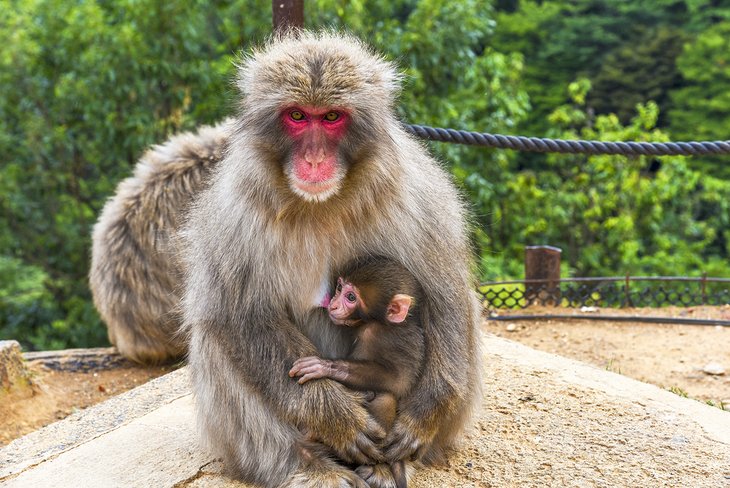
[338,419]
[312,367]
[408,439]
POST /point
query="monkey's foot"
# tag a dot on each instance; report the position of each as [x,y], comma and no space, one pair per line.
[384,475]
[324,476]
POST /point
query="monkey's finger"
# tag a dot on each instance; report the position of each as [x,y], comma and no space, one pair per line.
[400,475]
[401,444]
[295,372]
[359,482]
[365,471]
[306,360]
[312,368]
[309,376]
[374,430]
[306,363]
[378,476]
[410,449]
[360,451]
[369,448]
[303,364]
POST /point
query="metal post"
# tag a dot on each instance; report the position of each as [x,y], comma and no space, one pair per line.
[542,263]
[287,14]
[704,287]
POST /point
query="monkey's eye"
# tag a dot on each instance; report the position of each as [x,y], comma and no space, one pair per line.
[331,116]
[350,297]
[339,287]
[296,115]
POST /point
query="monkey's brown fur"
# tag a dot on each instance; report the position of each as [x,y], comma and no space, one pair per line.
[256,254]
[134,275]
[396,351]
[385,358]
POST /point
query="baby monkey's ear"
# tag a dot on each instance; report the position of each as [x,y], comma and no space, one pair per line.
[398,308]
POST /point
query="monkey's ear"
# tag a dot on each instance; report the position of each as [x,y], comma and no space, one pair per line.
[398,308]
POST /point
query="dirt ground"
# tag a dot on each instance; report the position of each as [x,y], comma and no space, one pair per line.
[685,359]
[56,394]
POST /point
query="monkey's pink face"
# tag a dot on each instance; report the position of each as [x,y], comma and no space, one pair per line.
[344,303]
[315,170]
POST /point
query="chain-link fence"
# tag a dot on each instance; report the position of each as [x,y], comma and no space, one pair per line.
[617,292]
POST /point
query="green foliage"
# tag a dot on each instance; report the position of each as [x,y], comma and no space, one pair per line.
[86,86]
[702,106]
[613,214]
[30,312]
[628,50]
[636,73]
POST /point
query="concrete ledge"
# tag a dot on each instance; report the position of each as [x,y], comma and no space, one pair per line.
[79,359]
[86,425]
[545,421]
[13,373]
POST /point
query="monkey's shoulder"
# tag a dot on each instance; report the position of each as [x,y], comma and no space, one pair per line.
[389,344]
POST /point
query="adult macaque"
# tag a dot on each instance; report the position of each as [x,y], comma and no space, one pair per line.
[134,273]
[376,298]
[317,171]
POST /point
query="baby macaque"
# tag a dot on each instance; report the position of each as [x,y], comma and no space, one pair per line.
[377,298]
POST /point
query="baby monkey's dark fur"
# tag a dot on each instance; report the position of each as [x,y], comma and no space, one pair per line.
[385,357]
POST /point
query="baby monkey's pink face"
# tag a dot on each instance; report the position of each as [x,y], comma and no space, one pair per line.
[343,305]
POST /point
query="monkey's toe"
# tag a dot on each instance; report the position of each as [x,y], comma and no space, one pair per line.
[377,476]
[325,478]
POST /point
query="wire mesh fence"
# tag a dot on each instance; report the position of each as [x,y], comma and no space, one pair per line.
[607,292]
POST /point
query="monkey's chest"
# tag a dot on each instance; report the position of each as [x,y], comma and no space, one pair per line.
[306,276]
[324,293]
[307,261]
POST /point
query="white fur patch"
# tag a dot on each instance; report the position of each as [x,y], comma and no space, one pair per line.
[323,293]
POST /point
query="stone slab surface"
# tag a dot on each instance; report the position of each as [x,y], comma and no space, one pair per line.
[545,421]
[86,425]
[78,359]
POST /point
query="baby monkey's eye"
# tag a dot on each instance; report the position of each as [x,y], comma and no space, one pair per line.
[296,115]
[350,297]
[331,116]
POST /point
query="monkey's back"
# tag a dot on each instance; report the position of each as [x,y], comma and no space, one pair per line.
[399,348]
[134,272]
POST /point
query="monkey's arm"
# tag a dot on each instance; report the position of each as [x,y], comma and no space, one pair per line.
[254,346]
[440,396]
[436,408]
[355,374]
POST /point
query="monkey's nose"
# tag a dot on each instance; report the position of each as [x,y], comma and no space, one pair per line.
[314,157]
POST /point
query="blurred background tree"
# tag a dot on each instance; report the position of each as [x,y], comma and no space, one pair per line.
[86,86]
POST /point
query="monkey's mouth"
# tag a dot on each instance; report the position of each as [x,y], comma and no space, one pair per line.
[337,320]
[346,322]
[315,191]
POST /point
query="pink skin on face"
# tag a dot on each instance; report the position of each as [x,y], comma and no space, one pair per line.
[344,303]
[316,133]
